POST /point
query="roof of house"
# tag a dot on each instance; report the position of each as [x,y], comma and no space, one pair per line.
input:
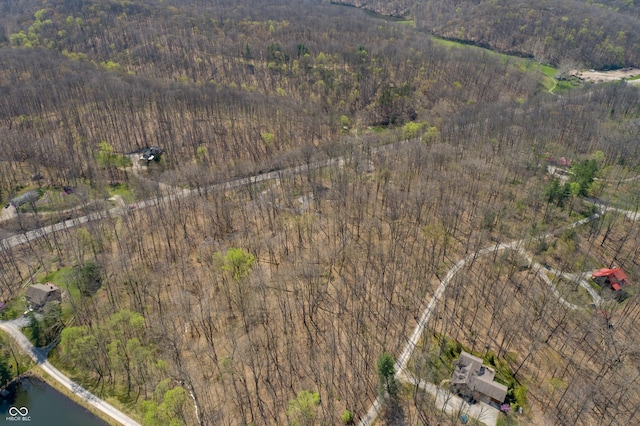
[487,386]
[151,153]
[563,161]
[39,294]
[465,367]
[616,276]
[27,197]
[468,369]
[615,272]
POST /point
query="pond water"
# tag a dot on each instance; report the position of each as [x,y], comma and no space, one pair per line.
[35,403]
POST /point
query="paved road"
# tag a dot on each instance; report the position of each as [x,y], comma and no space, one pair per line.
[41,359]
[178,194]
[543,270]
[36,234]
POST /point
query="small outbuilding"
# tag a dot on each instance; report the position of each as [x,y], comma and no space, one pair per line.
[38,295]
[475,381]
[614,278]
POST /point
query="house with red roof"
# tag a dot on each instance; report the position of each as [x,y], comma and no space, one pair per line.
[614,278]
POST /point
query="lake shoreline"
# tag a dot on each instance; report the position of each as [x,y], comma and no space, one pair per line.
[40,399]
[72,396]
[10,389]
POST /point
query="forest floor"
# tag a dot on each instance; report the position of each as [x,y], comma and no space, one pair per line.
[402,360]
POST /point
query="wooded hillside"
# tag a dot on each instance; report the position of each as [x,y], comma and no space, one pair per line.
[240,92]
[573,33]
[271,299]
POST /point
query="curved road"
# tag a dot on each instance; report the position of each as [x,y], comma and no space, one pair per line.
[403,359]
[41,359]
[179,194]
[36,234]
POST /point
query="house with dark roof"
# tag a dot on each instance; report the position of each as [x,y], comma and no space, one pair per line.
[475,381]
[38,295]
[614,278]
[27,197]
[152,153]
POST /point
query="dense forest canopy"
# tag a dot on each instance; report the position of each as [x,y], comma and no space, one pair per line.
[378,157]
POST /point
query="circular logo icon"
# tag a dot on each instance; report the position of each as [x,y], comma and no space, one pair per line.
[22,411]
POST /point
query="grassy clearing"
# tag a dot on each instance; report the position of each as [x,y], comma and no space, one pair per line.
[549,81]
[61,277]
[548,70]
[571,291]
[507,420]
[64,278]
[453,44]
[14,308]
[121,190]
[409,22]
[53,200]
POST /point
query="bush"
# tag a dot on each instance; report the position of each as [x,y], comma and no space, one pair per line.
[13,309]
[347,417]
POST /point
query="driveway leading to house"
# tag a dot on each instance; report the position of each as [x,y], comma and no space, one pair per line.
[453,404]
[412,343]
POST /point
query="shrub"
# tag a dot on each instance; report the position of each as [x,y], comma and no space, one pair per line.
[347,417]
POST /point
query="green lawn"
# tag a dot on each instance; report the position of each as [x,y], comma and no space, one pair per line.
[549,81]
[122,190]
[438,353]
[14,309]
[571,291]
[64,279]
